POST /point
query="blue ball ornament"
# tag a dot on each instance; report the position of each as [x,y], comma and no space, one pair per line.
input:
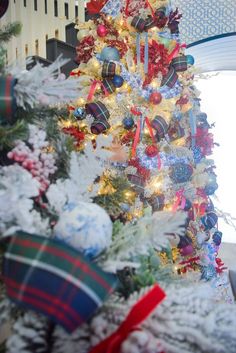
[211,188]
[209,220]
[125,207]
[117,81]
[79,113]
[109,54]
[190,59]
[217,236]
[128,122]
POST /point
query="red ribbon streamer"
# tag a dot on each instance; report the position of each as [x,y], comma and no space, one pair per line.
[93,88]
[175,51]
[140,311]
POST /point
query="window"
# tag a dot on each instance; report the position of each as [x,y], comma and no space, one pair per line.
[35,5]
[76,11]
[36,47]
[25,3]
[46,6]
[46,37]
[66,10]
[26,50]
[55,8]
[56,34]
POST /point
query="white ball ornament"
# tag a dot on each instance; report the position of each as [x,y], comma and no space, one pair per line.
[86,227]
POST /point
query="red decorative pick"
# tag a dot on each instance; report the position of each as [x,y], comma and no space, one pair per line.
[140,311]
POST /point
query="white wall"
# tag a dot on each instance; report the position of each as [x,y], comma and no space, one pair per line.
[37,24]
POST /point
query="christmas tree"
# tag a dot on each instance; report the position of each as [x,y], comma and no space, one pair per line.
[100,204]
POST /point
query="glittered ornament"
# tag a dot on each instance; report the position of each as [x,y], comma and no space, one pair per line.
[151,151]
[86,227]
[128,122]
[209,220]
[155,98]
[117,81]
[102,31]
[79,113]
[217,236]
[109,54]
[181,172]
[190,59]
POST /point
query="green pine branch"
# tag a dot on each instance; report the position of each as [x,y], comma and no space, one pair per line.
[10,30]
[8,134]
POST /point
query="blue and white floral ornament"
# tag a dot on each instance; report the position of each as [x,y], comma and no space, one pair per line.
[86,227]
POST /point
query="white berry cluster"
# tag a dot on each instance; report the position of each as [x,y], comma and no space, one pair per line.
[34,156]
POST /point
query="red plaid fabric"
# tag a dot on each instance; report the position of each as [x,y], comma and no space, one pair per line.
[108,69]
[170,78]
[180,63]
[138,23]
[98,110]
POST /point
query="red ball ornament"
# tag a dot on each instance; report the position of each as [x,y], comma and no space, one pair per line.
[155,98]
[151,151]
[102,31]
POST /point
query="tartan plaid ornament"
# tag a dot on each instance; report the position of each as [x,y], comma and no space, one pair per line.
[108,69]
[138,23]
[160,125]
[170,78]
[54,279]
[99,126]
[7,99]
[157,202]
[180,63]
[100,113]
[137,181]
[108,85]
[175,132]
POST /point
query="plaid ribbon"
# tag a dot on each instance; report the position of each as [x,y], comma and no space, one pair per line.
[160,125]
[50,277]
[170,78]
[108,69]
[98,110]
[137,181]
[157,202]
[7,99]
[138,23]
[180,63]
[109,86]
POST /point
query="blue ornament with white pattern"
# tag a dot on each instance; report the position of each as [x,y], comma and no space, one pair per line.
[217,237]
[181,172]
[211,188]
[86,227]
[197,154]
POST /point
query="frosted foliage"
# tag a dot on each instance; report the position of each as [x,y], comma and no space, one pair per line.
[84,169]
[44,85]
[17,187]
[189,320]
[148,232]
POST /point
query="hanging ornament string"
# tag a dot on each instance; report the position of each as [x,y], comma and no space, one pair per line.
[138,50]
[135,112]
[93,89]
[139,312]
[180,200]
[175,51]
